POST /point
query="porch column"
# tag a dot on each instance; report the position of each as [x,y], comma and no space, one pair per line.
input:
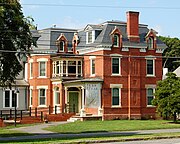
[100,107]
[82,112]
[61,66]
[66,68]
[65,110]
[76,68]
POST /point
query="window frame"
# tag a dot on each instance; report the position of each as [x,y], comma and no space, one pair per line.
[148,96]
[151,42]
[63,45]
[119,87]
[119,65]
[10,98]
[153,67]
[31,96]
[92,65]
[44,88]
[117,40]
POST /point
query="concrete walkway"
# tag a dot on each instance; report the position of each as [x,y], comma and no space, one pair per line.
[38,129]
[39,133]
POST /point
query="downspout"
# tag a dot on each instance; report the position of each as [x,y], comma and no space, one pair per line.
[129,88]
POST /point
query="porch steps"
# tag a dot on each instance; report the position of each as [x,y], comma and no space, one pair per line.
[88,116]
[73,119]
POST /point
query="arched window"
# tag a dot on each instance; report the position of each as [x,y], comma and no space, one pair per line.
[61,45]
[150,43]
[116,40]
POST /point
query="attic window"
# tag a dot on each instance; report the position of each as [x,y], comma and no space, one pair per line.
[89,37]
[61,46]
[116,40]
[150,43]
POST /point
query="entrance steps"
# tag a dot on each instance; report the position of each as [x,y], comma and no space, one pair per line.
[88,116]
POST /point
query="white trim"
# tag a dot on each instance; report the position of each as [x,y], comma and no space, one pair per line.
[31,70]
[10,98]
[115,74]
[116,85]
[39,69]
[116,55]
[56,83]
[42,60]
[92,58]
[43,86]
[151,75]
[31,60]
[116,106]
[151,87]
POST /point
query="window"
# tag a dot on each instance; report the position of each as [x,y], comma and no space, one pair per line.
[42,96]
[116,40]
[115,96]
[92,67]
[31,70]
[56,96]
[42,69]
[71,67]
[9,99]
[150,67]
[116,66]
[61,46]
[31,97]
[150,96]
[58,67]
[150,43]
[89,37]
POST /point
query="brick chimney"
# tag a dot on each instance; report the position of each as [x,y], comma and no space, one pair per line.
[133,26]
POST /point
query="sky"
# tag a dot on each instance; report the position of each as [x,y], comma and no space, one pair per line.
[161,15]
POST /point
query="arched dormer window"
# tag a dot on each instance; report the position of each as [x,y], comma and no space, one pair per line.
[116,40]
[150,43]
[62,43]
[61,46]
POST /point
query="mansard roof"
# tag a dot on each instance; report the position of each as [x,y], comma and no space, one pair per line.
[48,37]
[104,37]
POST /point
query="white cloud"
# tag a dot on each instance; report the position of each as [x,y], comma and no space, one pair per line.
[158,29]
[69,22]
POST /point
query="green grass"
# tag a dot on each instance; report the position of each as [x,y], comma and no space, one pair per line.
[9,133]
[115,125]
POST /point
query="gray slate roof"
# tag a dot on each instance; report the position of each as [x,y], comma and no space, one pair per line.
[48,37]
[104,37]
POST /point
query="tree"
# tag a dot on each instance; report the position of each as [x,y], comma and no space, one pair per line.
[167,96]
[172,50]
[15,36]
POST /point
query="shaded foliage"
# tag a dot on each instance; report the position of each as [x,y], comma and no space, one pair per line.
[167,96]
[15,36]
[172,50]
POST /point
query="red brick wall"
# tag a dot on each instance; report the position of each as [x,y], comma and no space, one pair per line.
[36,81]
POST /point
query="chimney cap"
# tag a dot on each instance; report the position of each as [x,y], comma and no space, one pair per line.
[132,12]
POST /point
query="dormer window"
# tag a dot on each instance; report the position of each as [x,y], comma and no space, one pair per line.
[151,39]
[150,43]
[116,40]
[62,43]
[89,37]
[61,46]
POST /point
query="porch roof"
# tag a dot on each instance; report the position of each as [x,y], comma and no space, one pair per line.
[84,80]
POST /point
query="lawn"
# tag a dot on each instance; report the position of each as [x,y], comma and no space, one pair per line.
[115,125]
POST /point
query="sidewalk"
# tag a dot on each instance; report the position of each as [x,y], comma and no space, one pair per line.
[40,134]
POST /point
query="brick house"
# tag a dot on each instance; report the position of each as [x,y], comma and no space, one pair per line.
[109,69]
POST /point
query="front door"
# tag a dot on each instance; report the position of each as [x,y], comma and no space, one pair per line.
[73,102]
